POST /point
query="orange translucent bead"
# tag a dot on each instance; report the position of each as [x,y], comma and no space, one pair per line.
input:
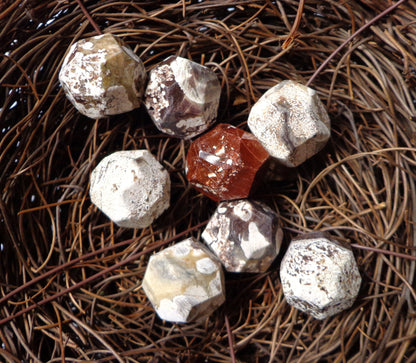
[225,163]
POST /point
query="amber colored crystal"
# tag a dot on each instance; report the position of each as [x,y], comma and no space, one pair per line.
[224,163]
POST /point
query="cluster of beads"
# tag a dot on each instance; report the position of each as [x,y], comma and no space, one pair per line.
[101,76]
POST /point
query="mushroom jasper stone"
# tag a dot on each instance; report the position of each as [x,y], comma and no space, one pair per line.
[225,163]
[291,122]
[184,282]
[101,76]
[245,235]
[319,275]
[131,188]
[182,97]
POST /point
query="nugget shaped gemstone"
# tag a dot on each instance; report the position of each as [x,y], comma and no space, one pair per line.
[184,282]
[291,122]
[101,76]
[225,162]
[182,97]
[131,187]
[319,275]
[245,235]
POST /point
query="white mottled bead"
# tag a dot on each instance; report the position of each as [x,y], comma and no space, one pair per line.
[184,282]
[131,187]
[291,122]
[101,76]
[319,275]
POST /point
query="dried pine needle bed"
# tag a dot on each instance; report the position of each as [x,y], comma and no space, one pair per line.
[70,281]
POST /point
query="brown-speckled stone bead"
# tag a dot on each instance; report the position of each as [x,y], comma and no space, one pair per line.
[182,97]
[102,76]
[319,275]
[244,234]
[291,122]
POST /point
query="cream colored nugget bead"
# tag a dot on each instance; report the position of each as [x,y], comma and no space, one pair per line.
[131,187]
[319,275]
[101,76]
[291,122]
[245,235]
[184,282]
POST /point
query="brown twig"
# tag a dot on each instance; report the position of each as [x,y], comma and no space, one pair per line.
[292,34]
[405,256]
[352,36]
[89,17]
[230,339]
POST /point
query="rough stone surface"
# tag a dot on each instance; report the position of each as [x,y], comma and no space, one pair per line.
[319,275]
[184,282]
[245,235]
[182,97]
[131,188]
[225,163]
[291,122]
[101,76]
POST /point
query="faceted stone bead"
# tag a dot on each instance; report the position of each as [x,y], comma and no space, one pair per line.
[225,162]
[131,187]
[319,275]
[184,282]
[182,97]
[245,235]
[101,76]
[291,122]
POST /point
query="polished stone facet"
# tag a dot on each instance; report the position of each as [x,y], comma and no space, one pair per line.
[245,235]
[182,97]
[184,282]
[131,187]
[101,76]
[319,275]
[291,122]
[225,162]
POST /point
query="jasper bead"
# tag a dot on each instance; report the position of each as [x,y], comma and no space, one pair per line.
[319,275]
[291,122]
[101,76]
[184,282]
[182,97]
[225,163]
[131,187]
[245,235]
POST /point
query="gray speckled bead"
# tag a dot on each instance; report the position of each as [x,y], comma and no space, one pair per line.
[291,122]
[184,282]
[182,97]
[245,235]
[131,187]
[319,275]
[101,76]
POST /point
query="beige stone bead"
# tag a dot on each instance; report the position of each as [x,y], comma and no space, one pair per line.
[319,275]
[184,282]
[291,122]
[131,187]
[101,76]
